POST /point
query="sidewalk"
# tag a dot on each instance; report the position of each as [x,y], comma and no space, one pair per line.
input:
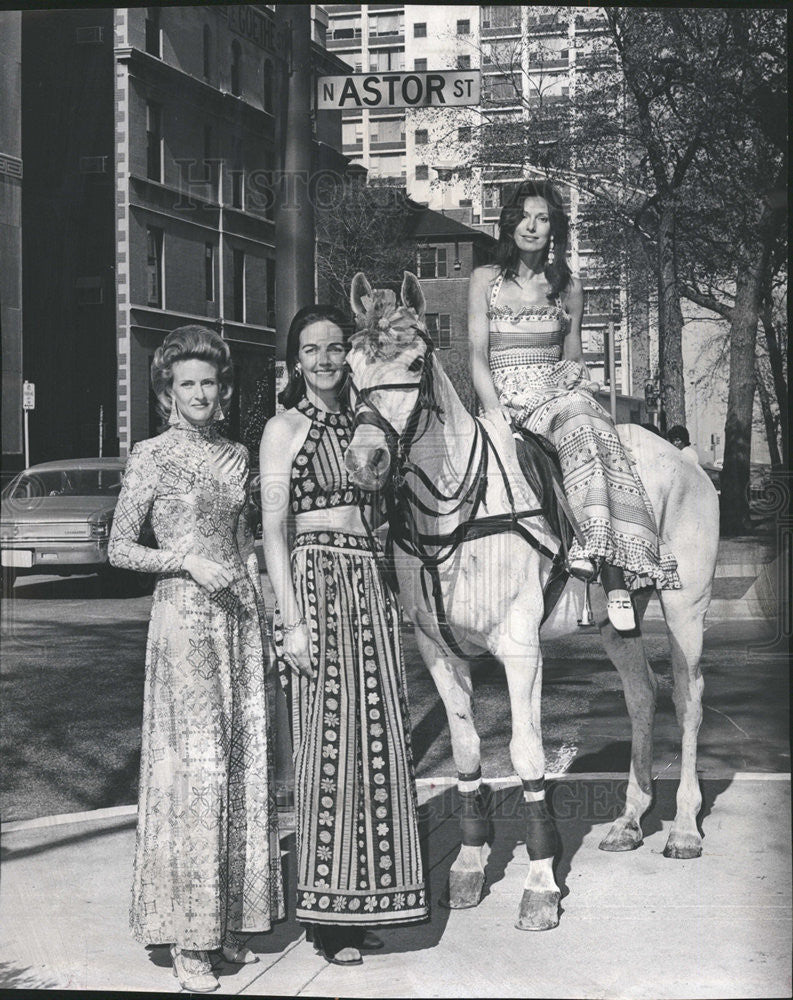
[634,925]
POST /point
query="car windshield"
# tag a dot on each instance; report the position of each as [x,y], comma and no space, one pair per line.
[64,483]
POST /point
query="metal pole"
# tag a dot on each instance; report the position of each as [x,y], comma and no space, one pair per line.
[612,373]
[101,427]
[294,224]
[27,440]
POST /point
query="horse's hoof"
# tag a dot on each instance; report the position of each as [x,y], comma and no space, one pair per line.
[539,911]
[683,846]
[465,889]
[622,837]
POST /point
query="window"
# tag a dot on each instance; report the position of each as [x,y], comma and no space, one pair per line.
[351,29]
[153,31]
[386,59]
[465,203]
[267,86]
[501,16]
[237,175]
[491,197]
[154,142]
[270,288]
[238,286]
[463,62]
[209,164]
[386,24]
[421,137]
[464,133]
[431,262]
[420,65]
[154,267]
[422,172]
[420,29]
[207,50]
[463,27]
[236,68]
[209,272]
[388,131]
[601,301]
[439,327]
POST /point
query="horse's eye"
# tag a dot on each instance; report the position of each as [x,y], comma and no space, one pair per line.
[416,364]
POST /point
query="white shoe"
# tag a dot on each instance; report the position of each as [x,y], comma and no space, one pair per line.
[620,610]
[235,952]
[193,969]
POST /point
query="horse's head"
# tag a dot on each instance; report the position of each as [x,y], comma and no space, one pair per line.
[389,358]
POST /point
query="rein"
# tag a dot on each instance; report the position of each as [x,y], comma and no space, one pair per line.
[403,529]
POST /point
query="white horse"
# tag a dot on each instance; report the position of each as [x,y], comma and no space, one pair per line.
[473,590]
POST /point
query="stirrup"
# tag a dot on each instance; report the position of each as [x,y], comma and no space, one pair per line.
[582,569]
[620,610]
[193,969]
[235,952]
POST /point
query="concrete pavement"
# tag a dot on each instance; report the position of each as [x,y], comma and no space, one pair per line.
[634,925]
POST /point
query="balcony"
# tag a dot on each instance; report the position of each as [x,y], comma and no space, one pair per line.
[387,145]
[501,31]
[353,42]
[386,38]
[354,145]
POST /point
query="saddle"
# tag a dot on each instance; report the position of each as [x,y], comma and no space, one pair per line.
[541,469]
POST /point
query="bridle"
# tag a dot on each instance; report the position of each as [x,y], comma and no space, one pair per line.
[403,498]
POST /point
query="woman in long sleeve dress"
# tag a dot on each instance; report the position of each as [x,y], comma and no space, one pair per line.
[207,861]
[337,636]
[527,368]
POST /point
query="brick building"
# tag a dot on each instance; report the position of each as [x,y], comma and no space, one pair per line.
[154,133]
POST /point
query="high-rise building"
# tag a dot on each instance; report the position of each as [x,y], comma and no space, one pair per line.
[528,55]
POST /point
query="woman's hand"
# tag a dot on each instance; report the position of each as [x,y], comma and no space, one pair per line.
[207,573]
[497,413]
[297,651]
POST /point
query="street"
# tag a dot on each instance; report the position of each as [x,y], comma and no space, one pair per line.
[72,686]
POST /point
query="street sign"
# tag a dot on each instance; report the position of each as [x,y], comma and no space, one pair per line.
[28,396]
[441,88]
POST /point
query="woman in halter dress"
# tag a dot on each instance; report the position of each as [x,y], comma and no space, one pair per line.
[336,631]
[527,368]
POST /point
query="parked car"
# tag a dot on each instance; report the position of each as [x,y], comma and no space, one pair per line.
[714,474]
[56,518]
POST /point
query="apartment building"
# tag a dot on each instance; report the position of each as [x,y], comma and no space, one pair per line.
[150,135]
[529,56]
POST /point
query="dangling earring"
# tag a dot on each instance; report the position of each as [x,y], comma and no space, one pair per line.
[173,416]
[298,370]
[550,246]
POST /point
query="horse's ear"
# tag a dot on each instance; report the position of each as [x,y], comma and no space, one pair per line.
[411,293]
[359,287]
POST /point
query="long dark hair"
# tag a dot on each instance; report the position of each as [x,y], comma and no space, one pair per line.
[295,388]
[557,272]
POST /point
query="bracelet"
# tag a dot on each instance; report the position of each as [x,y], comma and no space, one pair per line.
[286,629]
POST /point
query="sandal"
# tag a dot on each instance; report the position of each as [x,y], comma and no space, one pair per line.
[330,941]
[193,969]
[620,610]
[235,952]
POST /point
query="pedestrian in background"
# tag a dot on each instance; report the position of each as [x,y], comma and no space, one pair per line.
[337,638]
[678,436]
[207,860]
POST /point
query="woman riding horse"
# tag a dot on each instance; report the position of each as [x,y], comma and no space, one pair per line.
[527,366]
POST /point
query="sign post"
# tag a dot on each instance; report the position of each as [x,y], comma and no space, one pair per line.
[28,404]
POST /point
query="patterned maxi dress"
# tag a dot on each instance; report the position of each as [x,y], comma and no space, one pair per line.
[207,855]
[359,856]
[553,397]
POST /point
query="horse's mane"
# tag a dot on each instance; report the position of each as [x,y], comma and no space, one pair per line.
[386,329]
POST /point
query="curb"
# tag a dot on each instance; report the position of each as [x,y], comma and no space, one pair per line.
[422,785]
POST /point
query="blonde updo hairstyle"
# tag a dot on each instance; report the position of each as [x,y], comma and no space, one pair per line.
[190,343]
